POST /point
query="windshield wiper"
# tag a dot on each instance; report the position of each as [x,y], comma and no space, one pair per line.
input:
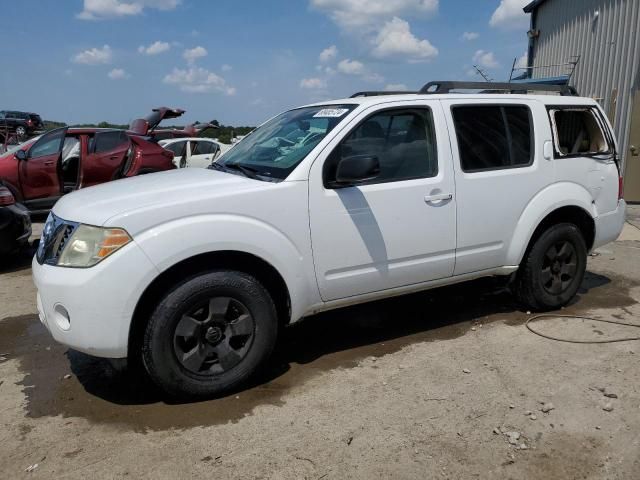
[247,171]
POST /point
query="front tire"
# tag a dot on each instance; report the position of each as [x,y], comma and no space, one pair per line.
[21,131]
[553,268]
[210,334]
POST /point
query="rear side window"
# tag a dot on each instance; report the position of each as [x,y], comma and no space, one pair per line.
[107,141]
[493,137]
[203,148]
[578,132]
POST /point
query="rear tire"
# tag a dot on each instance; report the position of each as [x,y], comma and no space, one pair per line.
[210,334]
[553,268]
[21,131]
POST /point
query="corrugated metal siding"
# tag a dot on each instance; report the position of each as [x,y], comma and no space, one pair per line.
[608,46]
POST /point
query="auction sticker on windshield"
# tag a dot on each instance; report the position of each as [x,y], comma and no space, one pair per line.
[331,112]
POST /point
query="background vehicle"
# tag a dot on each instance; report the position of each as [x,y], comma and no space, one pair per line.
[15,223]
[195,151]
[22,123]
[326,206]
[41,170]
[148,126]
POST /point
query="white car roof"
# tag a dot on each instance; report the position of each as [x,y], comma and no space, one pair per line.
[378,99]
[167,141]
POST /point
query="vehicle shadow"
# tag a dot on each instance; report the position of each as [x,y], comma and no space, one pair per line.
[18,261]
[342,338]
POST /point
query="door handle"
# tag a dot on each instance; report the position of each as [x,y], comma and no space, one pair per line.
[48,164]
[438,197]
[114,157]
[634,151]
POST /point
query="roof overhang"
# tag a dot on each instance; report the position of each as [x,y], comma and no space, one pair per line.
[533,5]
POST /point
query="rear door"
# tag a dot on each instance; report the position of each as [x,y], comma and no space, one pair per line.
[496,174]
[106,153]
[39,172]
[202,153]
[180,152]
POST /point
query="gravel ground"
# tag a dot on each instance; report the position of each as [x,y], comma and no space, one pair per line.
[443,384]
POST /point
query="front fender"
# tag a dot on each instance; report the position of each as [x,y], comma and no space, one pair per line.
[169,244]
[547,200]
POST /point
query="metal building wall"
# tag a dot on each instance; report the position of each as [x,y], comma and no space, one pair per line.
[609,49]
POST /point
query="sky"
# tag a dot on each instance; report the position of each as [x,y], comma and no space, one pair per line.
[82,61]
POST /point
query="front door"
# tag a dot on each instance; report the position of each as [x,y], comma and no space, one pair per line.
[632,158]
[397,229]
[39,178]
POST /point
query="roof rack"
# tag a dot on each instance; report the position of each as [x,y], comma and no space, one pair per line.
[496,87]
[374,93]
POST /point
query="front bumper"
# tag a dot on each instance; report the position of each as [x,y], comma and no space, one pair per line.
[609,225]
[90,309]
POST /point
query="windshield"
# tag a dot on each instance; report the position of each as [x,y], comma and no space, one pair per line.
[274,149]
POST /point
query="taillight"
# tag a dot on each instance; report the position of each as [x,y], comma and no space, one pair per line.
[6,197]
[620,188]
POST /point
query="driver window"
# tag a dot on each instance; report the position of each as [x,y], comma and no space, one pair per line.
[403,140]
[47,145]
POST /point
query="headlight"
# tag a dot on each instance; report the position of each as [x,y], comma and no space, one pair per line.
[89,245]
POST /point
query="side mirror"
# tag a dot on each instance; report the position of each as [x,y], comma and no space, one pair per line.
[21,155]
[357,169]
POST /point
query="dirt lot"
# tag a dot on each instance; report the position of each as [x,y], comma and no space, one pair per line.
[432,385]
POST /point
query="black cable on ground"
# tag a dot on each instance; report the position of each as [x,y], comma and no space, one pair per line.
[580,317]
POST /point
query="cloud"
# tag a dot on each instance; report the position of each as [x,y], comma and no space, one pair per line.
[94,56]
[198,80]
[365,13]
[391,87]
[117,74]
[485,59]
[468,36]
[101,9]
[191,55]
[313,83]
[522,62]
[351,67]
[226,68]
[356,68]
[155,48]
[510,15]
[396,40]
[328,54]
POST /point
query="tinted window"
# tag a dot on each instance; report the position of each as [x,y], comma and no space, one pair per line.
[493,137]
[203,148]
[577,132]
[403,140]
[48,144]
[177,148]
[107,141]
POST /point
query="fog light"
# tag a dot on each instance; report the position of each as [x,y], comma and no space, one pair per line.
[61,317]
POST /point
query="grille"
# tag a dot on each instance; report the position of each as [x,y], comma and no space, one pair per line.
[55,235]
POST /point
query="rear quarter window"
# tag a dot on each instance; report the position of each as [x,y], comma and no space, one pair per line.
[493,137]
[577,131]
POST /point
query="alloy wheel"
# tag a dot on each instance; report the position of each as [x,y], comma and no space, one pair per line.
[559,267]
[214,337]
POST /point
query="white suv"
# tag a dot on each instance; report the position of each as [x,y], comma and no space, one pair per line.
[323,206]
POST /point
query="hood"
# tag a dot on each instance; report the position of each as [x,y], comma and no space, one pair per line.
[96,205]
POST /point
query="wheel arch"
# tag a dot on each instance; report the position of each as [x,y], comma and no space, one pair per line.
[559,203]
[244,262]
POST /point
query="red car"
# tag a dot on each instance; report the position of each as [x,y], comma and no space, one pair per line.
[41,170]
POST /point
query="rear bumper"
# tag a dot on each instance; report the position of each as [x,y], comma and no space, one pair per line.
[609,225]
[90,309]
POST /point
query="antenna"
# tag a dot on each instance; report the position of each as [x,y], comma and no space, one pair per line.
[486,77]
